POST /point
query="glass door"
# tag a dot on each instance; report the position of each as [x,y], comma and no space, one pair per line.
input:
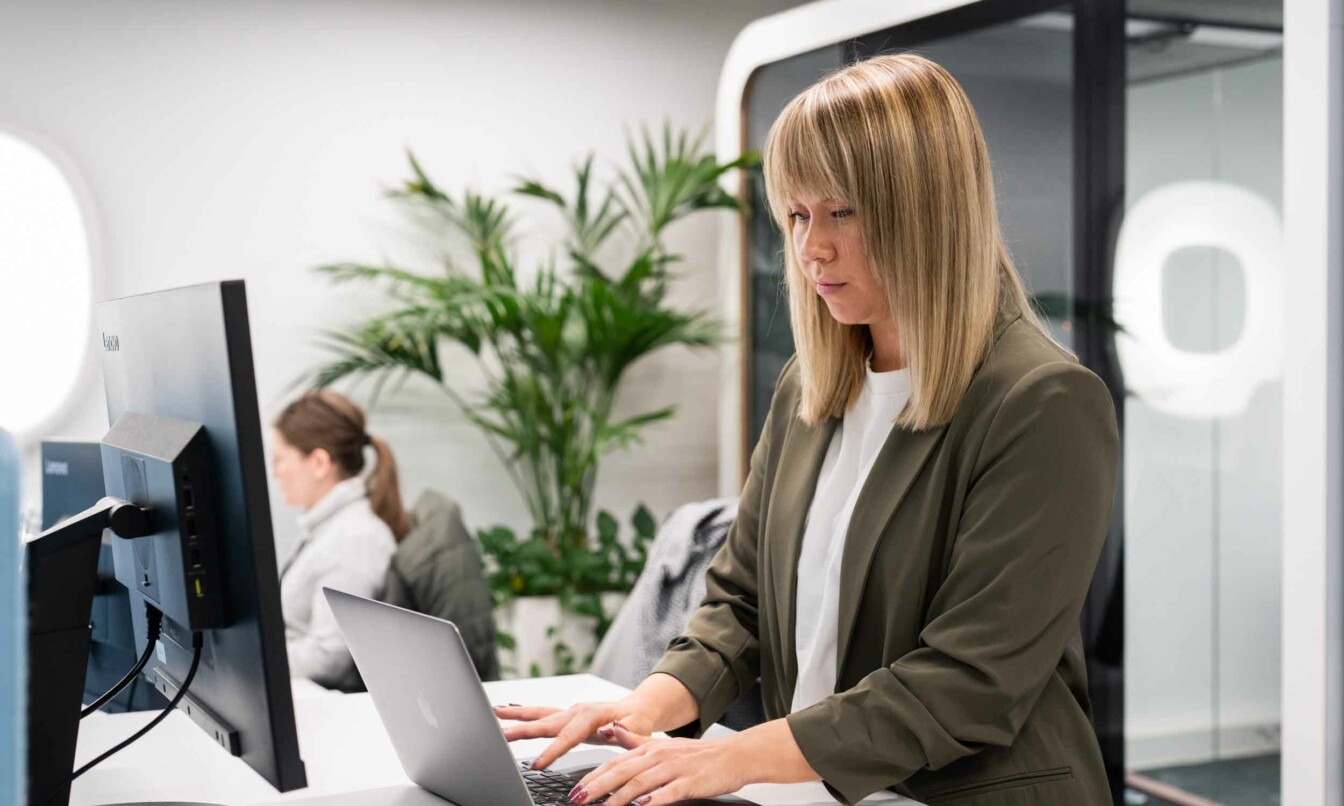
[1198,291]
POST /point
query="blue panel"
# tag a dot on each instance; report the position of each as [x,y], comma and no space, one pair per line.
[11,629]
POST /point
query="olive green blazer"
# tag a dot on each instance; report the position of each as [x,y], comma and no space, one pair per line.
[971,548]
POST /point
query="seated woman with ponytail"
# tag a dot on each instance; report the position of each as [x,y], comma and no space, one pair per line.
[349,526]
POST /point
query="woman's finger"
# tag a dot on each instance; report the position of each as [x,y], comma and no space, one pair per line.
[635,774]
[667,794]
[641,788]
[566,739]
[523,713]
[605,768]
[540,729]
[627,738]
[642,785]
[604,736]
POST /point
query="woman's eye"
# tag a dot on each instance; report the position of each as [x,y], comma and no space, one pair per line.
[796,216]
[843,213]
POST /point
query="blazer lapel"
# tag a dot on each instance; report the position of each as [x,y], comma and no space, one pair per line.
[790,499]
[896,467]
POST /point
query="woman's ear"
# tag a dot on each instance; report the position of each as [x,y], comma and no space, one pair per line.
[319,461]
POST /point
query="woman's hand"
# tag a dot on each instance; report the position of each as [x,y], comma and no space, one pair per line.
[661,771]
[589,722]
[661,702]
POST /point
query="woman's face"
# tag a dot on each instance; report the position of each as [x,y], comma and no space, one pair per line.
[829,245]
[304,477]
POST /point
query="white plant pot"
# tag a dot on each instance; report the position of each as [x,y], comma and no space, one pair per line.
[537,624]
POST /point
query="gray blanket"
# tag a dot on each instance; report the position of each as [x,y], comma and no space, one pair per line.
[667,593]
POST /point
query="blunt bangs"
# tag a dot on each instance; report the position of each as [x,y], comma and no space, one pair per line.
[805,157]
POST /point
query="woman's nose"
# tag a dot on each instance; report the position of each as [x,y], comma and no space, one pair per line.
[816,248]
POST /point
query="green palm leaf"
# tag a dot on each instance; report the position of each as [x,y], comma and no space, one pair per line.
[590,226]
[554,348]
[663,185]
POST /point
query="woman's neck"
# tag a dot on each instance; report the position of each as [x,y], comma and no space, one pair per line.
[886,347]
[322,491]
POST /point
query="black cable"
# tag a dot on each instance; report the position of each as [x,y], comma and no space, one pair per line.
[153,624]
[197,641]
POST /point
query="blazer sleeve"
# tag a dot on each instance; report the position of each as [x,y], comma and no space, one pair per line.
[1033,523]
[717,657]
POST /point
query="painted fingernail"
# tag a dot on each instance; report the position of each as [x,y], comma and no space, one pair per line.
[536,765]
[574,791]
[644,801]
[579,797]
[606,733]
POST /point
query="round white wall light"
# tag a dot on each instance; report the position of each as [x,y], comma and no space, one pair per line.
[45,289]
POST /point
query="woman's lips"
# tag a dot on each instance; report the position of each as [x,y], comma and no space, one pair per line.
[827,289]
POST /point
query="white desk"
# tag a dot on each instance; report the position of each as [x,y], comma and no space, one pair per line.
[343,745]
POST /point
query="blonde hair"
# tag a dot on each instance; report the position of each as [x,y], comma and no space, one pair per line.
[896,137]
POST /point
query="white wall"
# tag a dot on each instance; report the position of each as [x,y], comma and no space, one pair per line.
[253,140]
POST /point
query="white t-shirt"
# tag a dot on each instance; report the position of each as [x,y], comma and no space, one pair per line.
[849,457]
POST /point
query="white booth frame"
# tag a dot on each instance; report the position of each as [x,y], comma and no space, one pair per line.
[1313,401]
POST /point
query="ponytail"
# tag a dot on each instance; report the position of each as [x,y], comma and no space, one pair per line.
[384,494]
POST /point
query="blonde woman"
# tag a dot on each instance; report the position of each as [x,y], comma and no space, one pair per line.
[924,509]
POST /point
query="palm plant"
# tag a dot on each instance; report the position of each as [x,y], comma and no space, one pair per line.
[553,350]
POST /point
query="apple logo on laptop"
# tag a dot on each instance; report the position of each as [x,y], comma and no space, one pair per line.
[425,710]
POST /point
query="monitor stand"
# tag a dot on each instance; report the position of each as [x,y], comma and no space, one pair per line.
[62,567]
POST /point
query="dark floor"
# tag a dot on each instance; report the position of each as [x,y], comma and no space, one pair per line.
[1134,797]
[1235,782]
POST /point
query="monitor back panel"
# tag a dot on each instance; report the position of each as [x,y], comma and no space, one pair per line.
[187,354]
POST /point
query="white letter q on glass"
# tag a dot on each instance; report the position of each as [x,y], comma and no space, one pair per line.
[1173,217]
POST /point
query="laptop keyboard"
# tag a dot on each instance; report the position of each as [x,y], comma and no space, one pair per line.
[550,788]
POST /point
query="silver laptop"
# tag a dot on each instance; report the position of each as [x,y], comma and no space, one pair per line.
[437,715]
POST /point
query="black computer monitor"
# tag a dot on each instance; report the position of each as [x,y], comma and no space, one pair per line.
[185,451]
[72,481]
